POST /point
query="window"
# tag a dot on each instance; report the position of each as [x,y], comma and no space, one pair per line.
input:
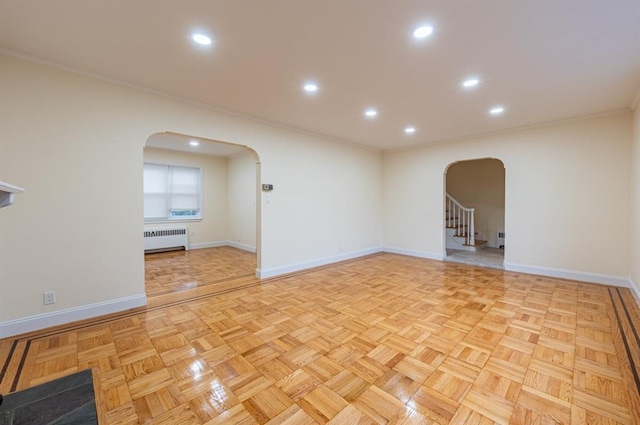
[172,192]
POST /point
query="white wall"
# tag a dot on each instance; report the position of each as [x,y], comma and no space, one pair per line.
[242,201]
[76,145]
[479,184]
[566,204]
[635,203]
[212,228]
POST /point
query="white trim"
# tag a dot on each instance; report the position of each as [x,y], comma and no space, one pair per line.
[635,291]
[414,253]
[203,245]
[55,318]
[507,130]
[9,188]
[241,246]
[276,271]
[218,244]
[6,193]
[602,279]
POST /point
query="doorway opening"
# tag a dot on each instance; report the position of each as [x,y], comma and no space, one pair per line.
[212,204]
[474,224]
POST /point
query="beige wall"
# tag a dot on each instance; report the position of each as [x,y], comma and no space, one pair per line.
[76,145]
[635,203]
[212,228]
[242,201]
[479,184]
[566,201]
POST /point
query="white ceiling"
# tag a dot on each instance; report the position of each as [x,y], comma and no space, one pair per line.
[544,60]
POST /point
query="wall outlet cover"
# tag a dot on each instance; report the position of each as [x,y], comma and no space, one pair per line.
[49,297]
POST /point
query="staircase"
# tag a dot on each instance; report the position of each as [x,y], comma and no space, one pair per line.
[460,227]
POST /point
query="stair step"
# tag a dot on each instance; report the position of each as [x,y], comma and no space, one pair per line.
[478,242]
[461,235]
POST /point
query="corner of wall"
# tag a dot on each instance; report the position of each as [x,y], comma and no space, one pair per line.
[414,253]
[633,287]
[277,271]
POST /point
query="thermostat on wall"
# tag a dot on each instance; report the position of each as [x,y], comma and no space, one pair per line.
[267,187]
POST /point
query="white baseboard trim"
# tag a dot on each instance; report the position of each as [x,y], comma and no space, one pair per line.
[241,246]
[635,291]
[203,245]
[55,318]
[414,253]
[277,271]
[570,274]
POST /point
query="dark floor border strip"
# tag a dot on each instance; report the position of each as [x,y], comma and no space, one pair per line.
[124,315]
[629,319]
[634,370]
[140,310]
[20,366]
[111,319]
[6,363]
[216,282]
[136,312]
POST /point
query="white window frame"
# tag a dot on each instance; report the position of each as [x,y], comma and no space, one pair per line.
[168,217]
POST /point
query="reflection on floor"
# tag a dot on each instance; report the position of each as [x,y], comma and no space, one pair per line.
[383,339]
[174,275]
[488,257]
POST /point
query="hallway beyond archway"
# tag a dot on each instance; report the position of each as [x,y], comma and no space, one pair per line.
[475,212]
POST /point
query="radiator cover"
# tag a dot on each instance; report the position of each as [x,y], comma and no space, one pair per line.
[161,239]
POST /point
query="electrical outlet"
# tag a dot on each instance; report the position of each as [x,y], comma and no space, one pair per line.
[49,297]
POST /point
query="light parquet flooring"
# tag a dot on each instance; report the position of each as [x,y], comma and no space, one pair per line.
[382,339]
[178,271]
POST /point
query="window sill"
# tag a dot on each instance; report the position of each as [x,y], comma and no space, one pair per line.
[173,220]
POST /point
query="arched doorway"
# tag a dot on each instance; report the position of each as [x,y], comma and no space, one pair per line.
[211,201]
[475,212]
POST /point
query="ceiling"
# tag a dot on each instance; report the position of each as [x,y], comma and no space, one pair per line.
[543,60]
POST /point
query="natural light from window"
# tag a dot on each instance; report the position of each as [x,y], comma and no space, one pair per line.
[172,192]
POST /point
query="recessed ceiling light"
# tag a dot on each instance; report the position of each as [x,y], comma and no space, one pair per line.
[194,143]
[410,129]
[471,82]
[423,31]
[310,87]
[496,110]
[370,113]
[201,39]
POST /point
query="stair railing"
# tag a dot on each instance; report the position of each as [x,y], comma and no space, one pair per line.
[462,219]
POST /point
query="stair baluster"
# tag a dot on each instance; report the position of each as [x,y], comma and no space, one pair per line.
[463,220]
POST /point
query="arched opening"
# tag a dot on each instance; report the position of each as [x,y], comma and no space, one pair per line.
[202,227]
[474,212]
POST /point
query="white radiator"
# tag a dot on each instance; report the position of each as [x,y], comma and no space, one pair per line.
[166,238]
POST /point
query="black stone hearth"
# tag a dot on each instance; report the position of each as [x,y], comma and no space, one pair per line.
[65,401]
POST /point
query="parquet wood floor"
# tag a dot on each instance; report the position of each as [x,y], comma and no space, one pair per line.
[382,339]
[178,271]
